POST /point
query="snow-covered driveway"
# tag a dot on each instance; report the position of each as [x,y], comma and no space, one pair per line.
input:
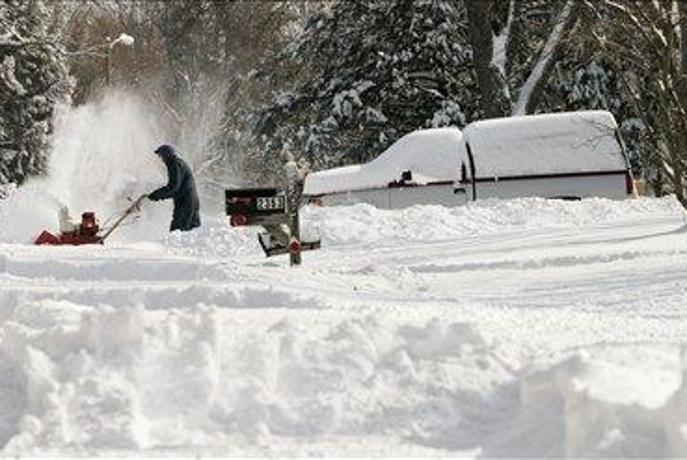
[529,327]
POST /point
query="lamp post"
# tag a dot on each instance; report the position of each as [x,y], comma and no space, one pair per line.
[124,39]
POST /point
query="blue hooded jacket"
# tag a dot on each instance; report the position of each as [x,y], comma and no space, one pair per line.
[181,188]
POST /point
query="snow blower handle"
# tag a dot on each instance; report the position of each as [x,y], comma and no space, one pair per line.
[135,207]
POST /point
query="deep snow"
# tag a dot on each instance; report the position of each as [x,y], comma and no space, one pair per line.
[521,328]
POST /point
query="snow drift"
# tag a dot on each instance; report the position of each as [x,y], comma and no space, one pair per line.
[518,328]
[86,378]
[498,329]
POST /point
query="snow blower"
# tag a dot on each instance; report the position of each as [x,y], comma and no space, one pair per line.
[88,231]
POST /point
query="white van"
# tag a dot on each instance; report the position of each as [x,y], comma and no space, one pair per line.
[420,168]
[567,155]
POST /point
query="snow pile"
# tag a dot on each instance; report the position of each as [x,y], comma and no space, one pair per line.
[79,378]
[423,331]
[215,238]
[627,401]
[73,372]
[362,223]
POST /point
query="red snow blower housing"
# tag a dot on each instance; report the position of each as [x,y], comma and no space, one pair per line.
[86,232]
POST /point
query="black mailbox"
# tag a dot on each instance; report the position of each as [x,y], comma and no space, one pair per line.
[267,207]
[249,206]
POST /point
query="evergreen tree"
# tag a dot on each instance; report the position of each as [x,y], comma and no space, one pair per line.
[33,78]
[360,76]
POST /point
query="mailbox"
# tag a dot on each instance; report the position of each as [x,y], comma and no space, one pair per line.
[267,207]
[253,206]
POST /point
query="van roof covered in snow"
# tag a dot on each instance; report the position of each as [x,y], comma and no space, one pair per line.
[432,155]
[572,142]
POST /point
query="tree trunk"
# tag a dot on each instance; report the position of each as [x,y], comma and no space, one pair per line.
[682,68]
[681,102]
[682,11]
[480,15]
[531,90]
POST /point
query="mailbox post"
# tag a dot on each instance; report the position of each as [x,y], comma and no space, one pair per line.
[277,212]
[293,197]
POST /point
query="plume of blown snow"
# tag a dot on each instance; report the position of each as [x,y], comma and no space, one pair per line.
[101,158]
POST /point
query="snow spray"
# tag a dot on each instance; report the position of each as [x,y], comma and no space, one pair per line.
[102,154]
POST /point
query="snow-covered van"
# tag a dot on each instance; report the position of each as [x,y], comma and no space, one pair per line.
[419,168]
[566,155]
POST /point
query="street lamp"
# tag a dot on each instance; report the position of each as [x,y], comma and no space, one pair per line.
[124,39]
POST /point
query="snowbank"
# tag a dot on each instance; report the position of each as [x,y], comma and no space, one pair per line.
[196,344]
[94,377]
[627,401]
[365,225]
[215,238]
[362,223]
[79,378]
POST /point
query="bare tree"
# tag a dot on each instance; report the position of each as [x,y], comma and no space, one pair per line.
[498,34]
[655,75]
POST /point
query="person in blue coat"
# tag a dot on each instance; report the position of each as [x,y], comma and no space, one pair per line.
[181,188]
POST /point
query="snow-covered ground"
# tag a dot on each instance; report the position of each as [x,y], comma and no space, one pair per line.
[520,328]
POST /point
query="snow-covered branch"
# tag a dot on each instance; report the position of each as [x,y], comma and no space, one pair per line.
[500,41]
[10,39]
[536,78]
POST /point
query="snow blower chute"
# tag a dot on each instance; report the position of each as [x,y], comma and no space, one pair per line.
[88,231]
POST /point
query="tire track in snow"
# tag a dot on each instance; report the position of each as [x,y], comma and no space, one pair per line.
[547,262]
[99,269]
[181,296]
